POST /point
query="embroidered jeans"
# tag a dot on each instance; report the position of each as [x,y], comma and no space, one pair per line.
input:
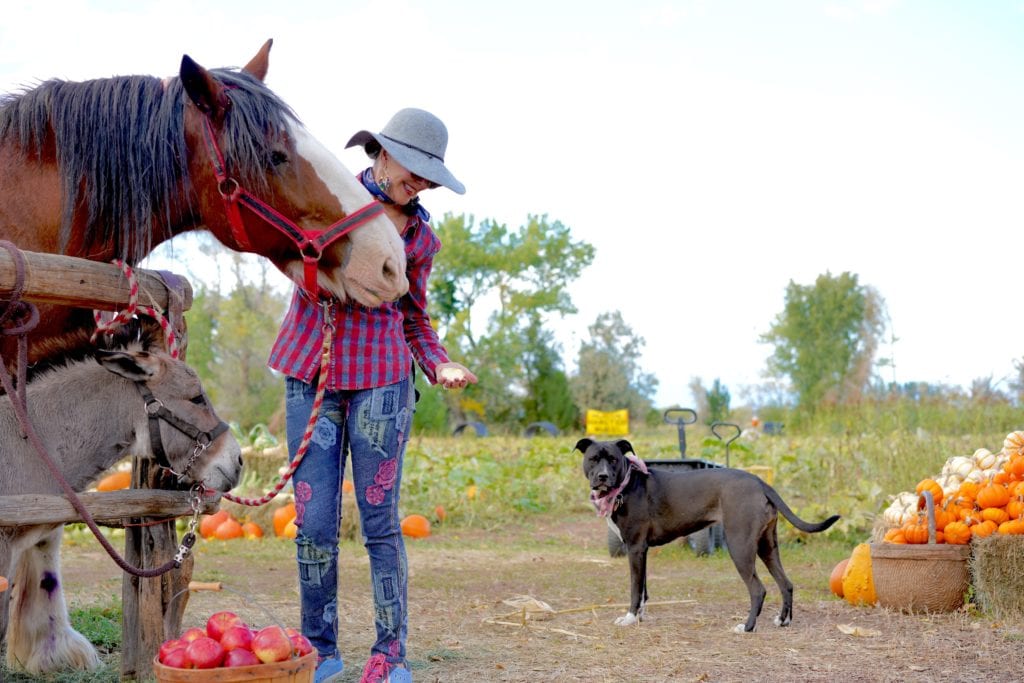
[373,426]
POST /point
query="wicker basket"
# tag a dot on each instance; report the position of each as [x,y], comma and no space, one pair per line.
[299,670]
[921,578]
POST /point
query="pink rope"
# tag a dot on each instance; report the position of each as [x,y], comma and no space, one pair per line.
[125,316]
[307,437]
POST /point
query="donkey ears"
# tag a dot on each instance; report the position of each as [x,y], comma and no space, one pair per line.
[204,91]
[137,366]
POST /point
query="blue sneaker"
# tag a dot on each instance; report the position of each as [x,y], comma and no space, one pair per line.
[329,669]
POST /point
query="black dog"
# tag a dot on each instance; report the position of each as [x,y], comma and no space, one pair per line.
[649,508]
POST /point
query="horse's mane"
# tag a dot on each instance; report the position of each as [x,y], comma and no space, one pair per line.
[121,152]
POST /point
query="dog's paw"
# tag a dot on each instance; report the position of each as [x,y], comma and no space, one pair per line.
[779,621]
[741,628]
[627,620]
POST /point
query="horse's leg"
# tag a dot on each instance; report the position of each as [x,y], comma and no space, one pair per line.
[41,638]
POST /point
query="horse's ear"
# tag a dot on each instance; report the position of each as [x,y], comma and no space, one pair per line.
[138,366]
[203,89]
[258,65]
[583,444]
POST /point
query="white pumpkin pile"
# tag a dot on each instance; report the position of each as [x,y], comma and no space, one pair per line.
[981,466]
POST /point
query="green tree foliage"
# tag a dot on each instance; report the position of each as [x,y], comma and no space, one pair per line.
[515,278]
[609,375]
[825,340]
[229,341]
[548,395]
[718,402]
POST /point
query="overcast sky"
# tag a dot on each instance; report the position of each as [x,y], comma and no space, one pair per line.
[712,152]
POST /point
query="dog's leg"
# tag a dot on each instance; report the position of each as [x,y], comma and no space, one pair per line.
[41,638]
[768,549]
[637,587]
[743,551]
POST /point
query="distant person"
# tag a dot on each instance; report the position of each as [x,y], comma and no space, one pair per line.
[368,407]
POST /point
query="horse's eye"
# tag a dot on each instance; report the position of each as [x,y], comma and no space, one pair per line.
[199,400]
[277,158]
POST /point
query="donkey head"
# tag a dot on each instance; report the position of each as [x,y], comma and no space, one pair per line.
[182,429]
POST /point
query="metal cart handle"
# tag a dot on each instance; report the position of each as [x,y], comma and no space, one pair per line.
[680,416]
[716,426]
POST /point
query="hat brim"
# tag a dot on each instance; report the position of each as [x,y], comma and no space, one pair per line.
[425,166]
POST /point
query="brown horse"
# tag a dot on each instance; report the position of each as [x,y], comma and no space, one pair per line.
[109,168]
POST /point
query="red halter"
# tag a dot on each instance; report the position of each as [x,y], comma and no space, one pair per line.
[310,244]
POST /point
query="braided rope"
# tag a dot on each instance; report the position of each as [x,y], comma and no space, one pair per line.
[307,437]
[124,316]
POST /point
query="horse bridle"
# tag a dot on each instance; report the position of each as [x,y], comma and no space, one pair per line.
[310,244]
[157,411]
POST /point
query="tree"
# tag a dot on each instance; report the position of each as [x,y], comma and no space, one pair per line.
[825,339]
[516,279]
[718,402]
[608,370]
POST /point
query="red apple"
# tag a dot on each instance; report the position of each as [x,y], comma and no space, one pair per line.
[191,634]
[237,637]
[168,645]
[177,659]
[240,657]
[272,644]
[301,645]
[205,653]
[220,622]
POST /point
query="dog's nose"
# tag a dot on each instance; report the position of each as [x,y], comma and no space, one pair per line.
[602,478]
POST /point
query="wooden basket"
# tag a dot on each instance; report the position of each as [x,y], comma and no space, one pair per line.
[299,670]
[921,578]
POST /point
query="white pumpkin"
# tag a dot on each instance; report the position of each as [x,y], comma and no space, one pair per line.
[984,458]
[1014,443]
[959,465]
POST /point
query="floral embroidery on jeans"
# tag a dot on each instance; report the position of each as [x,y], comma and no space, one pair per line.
[384,480]
[325,434]
[303,493]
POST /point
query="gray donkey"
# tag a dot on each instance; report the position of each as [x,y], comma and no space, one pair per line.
[90,415]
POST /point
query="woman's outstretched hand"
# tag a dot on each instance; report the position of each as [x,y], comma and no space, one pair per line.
[453,375]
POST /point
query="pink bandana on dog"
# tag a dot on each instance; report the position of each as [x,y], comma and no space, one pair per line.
[606,504]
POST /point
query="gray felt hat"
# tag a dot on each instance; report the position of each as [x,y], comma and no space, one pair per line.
[417,140]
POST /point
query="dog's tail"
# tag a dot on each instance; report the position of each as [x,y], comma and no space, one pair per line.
[809,527]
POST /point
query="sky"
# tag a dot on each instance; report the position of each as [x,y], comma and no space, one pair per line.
[711,152]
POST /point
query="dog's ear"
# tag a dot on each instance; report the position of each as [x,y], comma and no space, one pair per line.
[583,444]
[625,446]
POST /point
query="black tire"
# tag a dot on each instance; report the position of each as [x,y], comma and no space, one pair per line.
[616,548]
[701,542]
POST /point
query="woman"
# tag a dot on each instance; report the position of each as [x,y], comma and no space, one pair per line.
[368,404]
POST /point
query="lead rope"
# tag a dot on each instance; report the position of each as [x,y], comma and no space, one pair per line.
[307,437]
[125,316]
[20,404]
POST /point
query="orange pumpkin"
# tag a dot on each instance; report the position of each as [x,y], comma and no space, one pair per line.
[416,526]
[440,513]
[115,481]
[1015,467]
[916,531]
[1015,508]
[348,487]
[997,515]
[929,485]
[983,529]
[282,516]
[835,580]
[992,495]
[4,584]
[957,533]
[968,490]
[290,530]
[228,529]
[252,530]
[208,523]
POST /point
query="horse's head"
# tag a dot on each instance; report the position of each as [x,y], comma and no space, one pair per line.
[278,192]
[179,419]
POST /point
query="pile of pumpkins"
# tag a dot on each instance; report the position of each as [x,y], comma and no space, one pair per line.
[975,496]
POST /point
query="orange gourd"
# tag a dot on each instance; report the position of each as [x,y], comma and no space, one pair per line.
[916,531]
[1015,467]
[115,481]
[858,581]
[835,580]
[290,530]
[440,513]
[983,529]
[957,533]
[992,496]
[282,516]
[1015,508]
[228,529]
[997,515]
[930,485]
[968,490]
[252,530]
[208,523]
[416,526]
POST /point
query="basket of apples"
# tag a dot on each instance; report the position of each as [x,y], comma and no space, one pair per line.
[228,649]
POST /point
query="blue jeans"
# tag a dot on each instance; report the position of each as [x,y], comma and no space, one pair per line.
[373,425]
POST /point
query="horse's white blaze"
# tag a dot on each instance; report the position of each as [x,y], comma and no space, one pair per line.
[374,271]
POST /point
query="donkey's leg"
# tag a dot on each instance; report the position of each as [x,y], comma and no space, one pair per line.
[8,549]
[41,638]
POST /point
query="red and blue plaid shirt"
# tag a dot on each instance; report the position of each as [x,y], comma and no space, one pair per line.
[372,347]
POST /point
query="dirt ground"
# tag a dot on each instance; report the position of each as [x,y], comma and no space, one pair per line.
[462,627]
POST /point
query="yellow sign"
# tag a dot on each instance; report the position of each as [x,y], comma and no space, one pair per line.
[613,423]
